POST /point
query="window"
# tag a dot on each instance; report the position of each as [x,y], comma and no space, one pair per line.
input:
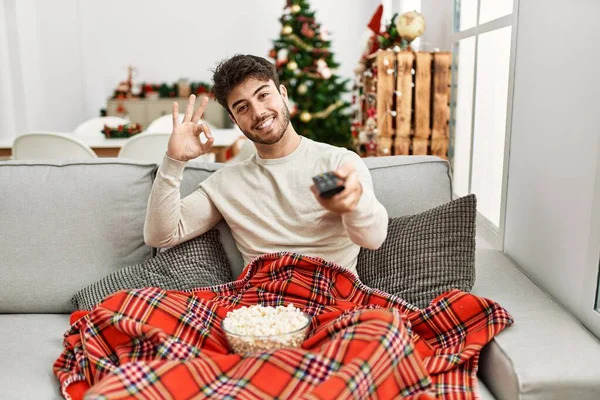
[482,97]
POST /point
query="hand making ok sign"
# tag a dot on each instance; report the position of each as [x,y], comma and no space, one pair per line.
[185,143]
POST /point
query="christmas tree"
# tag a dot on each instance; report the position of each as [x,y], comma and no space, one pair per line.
[305,65]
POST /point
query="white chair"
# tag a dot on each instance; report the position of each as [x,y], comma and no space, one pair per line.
[164,124]
[151,148]
[49,145]
[92,128]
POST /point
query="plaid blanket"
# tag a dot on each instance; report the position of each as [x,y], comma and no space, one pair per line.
[363,343]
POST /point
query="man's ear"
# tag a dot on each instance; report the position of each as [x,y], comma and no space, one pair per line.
[284,94]
[283,90]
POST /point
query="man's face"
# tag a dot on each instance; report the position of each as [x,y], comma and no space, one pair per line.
[260,111]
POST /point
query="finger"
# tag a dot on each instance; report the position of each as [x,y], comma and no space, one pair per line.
[175,114]
[204,128]
[200,111]
[209,137]
[350,187]
[190,109]
[197,130]
[313,189]
[344,170]
[320,200]
[340,197]
[206,146]
[352,182]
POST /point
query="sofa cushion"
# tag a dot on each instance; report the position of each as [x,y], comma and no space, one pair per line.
[31,343]
[195,263]
[425,255]
[408,185]
[65,225]
[546,354]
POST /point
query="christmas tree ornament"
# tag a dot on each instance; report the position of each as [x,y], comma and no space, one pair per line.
[292,65]
[295,9]
[410,25]
[307,31]
[305,116]
[323,69]
[286,30]
[282,55]
[302,89]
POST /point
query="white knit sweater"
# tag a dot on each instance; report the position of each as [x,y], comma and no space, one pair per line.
[269,207]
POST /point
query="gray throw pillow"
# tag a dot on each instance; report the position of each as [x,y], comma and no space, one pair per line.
[425,255]
[195,263]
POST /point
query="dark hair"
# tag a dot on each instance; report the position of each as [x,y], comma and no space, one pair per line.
[231,72]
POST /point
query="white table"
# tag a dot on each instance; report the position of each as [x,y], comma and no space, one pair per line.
[103,147]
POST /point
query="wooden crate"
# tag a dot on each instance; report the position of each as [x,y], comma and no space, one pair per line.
[412,101]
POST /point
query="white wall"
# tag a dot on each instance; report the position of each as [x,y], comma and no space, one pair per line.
[438,18]
[63,58]
[554,148]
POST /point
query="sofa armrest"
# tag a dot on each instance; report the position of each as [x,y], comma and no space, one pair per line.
[547,353]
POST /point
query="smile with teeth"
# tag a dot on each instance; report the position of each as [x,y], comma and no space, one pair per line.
[266,124]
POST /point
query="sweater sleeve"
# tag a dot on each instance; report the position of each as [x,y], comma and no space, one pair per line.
[171,220]
[367,224]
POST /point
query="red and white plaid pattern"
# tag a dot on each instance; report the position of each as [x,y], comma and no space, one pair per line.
[363,343]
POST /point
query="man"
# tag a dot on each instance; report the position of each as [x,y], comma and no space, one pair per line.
[267,201]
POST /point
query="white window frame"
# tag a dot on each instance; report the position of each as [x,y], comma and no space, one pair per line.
[589,307]
[485,228]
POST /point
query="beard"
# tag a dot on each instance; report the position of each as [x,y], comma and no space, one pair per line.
[276,135]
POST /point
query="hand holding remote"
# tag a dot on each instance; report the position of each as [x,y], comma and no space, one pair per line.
[328,184]
[338,191]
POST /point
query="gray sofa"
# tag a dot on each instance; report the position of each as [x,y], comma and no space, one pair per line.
[66,224]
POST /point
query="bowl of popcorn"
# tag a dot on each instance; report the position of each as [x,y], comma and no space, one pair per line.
[259,328]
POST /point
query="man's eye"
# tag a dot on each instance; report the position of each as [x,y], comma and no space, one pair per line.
[263,95]
[242,109]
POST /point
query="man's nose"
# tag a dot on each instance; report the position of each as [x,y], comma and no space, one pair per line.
[259,111]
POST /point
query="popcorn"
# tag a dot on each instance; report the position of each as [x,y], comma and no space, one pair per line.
[257,328]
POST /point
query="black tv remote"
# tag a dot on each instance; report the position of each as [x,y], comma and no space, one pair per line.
[327,184]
